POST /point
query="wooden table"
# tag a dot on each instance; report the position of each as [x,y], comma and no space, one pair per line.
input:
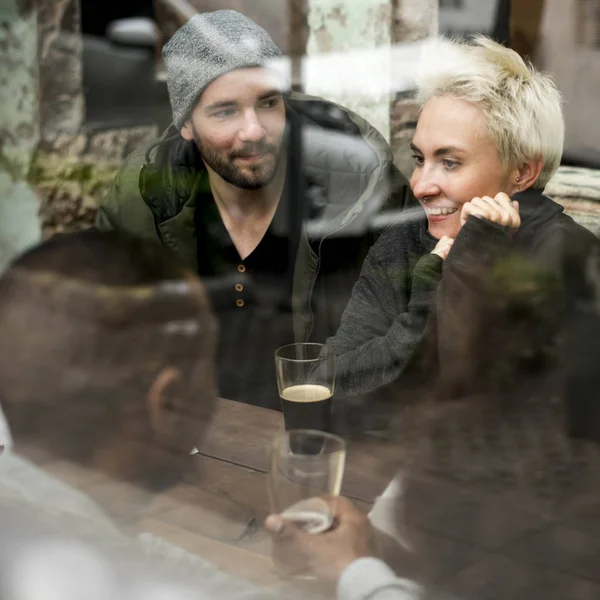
[220,515]
[464,541]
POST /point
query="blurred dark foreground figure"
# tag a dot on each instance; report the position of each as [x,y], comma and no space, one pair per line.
[495,502]
[107,383]
[495,497]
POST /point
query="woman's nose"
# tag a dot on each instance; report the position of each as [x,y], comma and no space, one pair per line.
[423,183]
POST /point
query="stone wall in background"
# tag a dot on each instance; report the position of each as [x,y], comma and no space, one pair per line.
[19,127]
[284,20]
[574,63]
[53,172]
[578,190]
[19,96]
[414,20]
[353,39]
[72,169]
[274,17]
[60,48]
[72,173]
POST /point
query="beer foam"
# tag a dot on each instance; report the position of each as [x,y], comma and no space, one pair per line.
[306,393]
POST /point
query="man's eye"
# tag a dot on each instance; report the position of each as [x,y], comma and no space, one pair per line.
[223,114]
[419,160]
[271,103]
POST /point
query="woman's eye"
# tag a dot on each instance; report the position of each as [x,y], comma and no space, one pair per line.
[450,164]
[418,159]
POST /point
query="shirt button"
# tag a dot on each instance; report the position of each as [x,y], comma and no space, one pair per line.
[239,287]
[241,268]
[239,302]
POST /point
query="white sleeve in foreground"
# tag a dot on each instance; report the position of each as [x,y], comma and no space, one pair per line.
[372,579]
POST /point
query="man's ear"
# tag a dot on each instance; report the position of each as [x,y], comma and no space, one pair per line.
[186,131]
[158,399]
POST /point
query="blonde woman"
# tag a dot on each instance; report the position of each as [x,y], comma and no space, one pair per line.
[488,248]
[499,498]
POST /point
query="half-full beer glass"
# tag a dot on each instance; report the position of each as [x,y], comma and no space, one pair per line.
[305,380]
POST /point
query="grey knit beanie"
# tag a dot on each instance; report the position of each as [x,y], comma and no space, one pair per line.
[208,46]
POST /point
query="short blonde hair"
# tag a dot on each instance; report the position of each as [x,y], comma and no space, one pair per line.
[520,106]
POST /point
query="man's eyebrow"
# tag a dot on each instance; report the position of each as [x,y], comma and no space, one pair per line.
[230,103]
[221,104]
[270,94]
[414,148]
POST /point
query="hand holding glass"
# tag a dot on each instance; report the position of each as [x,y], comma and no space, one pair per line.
[306,464]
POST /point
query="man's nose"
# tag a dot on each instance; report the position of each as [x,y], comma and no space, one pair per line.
[252,129]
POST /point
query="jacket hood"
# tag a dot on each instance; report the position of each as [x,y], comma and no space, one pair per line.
[346,162]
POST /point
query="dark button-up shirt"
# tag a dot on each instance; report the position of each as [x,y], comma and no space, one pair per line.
[252,300]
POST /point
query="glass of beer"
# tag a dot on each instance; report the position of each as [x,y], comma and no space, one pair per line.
[298,476]
[305,380]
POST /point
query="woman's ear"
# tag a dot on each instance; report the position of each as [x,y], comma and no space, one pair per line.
[527,174]
[158,399]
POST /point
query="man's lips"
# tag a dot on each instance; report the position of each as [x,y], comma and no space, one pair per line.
[251,157]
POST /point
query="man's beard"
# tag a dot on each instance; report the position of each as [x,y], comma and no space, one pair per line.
[253,177]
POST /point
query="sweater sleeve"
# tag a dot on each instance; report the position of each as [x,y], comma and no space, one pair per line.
[372,579]
[497,309]
[461,299]
[380,332]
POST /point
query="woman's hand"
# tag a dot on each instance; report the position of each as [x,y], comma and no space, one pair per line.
[442,248]
[499,209]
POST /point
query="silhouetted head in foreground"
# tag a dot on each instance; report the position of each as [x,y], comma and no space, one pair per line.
[106,356]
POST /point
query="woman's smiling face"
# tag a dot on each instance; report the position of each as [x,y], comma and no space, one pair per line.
[456,161]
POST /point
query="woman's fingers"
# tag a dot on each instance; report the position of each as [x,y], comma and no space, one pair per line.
[502,210]
[489,208]
[469,208]
[510,208]
[442,248]
[499,209]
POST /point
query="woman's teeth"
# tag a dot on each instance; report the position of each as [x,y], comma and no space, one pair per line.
[441,211]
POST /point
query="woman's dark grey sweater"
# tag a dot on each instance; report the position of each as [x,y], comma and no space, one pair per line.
[491,308]
[386,318]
